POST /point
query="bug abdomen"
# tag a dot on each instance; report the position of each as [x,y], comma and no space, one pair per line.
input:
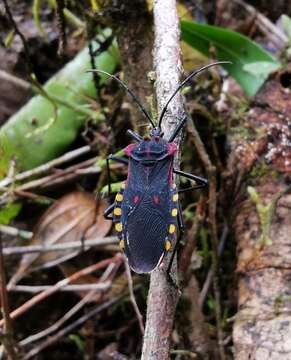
[146,224]
[145,235]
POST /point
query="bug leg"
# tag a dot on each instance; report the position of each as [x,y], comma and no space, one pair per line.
[196,187]
[134,135]
[115,158]
[82,244]
[108,211]
[181,233]
[199,180]
[120,159]
[178,129]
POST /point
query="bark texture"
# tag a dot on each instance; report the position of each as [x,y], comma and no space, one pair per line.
[163,296]
[198,332]
[262,328]
[135,42]
[133,25]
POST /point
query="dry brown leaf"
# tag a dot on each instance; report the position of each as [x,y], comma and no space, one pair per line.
[68,219]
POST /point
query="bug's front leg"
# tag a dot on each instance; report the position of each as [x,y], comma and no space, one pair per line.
[119,159]
[122,160]
[134,135]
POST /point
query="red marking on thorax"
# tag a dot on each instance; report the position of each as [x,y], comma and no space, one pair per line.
[148,152]
[172,148]
[136,199]
[156,199]
[128,150]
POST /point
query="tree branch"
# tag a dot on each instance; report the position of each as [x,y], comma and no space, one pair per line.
[163,296]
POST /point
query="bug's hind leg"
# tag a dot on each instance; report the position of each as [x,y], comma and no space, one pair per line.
[181,227]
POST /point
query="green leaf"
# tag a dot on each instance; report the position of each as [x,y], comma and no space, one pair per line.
[36,7]
[286,22]
[230,46]
[48,124]
[78,341]
[9,212]
[261,68]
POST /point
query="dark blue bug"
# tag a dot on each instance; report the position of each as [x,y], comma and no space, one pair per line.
[146,211]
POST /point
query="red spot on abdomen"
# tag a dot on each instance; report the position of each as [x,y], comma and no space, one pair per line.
[156,199]
[136,199]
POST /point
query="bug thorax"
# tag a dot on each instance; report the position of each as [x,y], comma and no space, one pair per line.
[151,148]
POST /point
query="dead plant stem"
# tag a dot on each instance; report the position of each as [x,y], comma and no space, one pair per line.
[45,294]
[8,341]
[212,205]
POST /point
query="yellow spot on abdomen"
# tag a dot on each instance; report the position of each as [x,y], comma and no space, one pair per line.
[168,245]
[121,244]
[172,228]
[175,197]
[117,211]
[119,197]
[174,212]
[118,227]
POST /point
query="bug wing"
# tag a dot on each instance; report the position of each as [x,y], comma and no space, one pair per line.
[146,230]
[145,234]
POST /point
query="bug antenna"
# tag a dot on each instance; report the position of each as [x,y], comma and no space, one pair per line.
[194,73]
[135,99]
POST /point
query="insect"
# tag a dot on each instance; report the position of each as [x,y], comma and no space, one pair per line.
[146,211]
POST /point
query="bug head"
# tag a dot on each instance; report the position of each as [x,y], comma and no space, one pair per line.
[156,132]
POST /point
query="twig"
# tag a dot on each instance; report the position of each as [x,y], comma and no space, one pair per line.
[19,33]
[70,288]
[82,245]
[69,328]
[187,353]
[9,78]
[104,278]
[59,177]
[45,294]
[212,204]
[8,341]
[46,167]
[132,297]
[61,21]
[210,273]
[187,252]
[163,296]
[12,231]
[31,196]
[270,30]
